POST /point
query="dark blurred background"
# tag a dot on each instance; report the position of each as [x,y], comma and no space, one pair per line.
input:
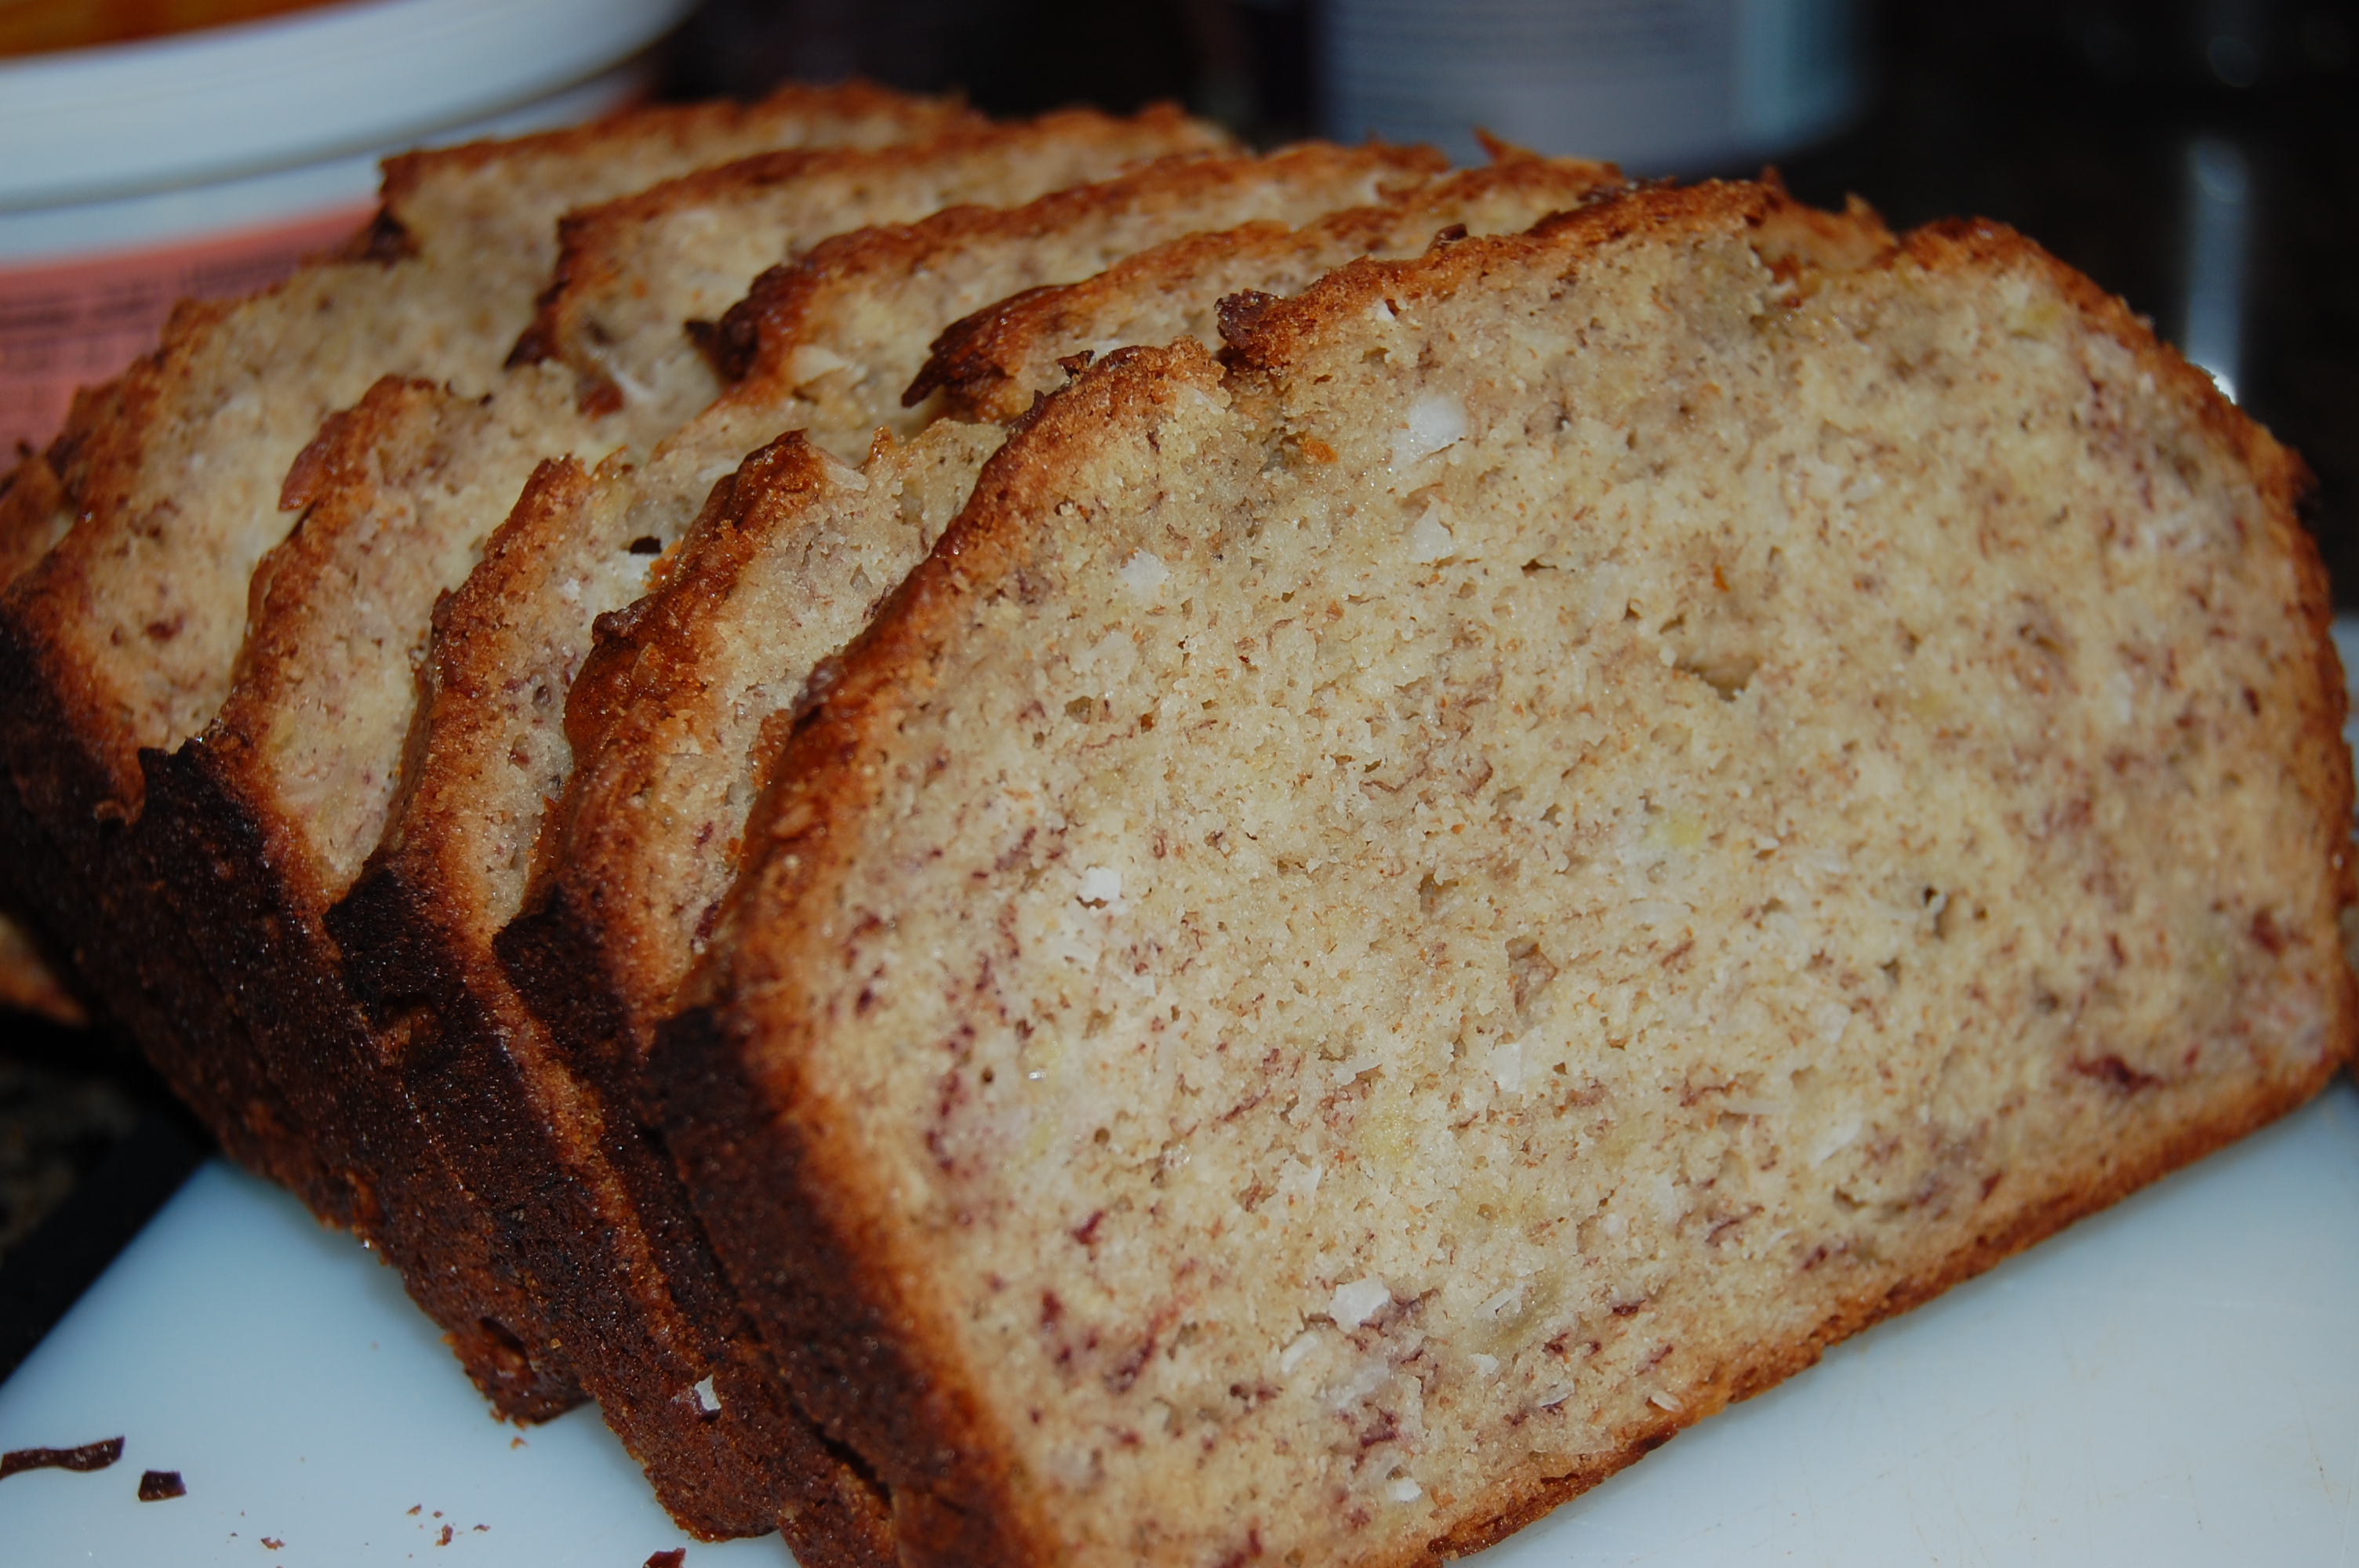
[2200,158]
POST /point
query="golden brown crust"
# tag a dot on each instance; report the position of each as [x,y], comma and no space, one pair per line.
[593,243]
[784,1185]
[984,364]
[759,334]
[686,126]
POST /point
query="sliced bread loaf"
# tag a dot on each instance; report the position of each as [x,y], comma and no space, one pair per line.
[490,752]
[1375,933]
[122,639]
[265,817]
[288,790]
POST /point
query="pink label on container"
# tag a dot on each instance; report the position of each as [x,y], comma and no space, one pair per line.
[79,321]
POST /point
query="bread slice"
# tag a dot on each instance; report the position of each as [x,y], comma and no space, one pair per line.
[121,640]
[265,817]
[786,564]
[1374,933]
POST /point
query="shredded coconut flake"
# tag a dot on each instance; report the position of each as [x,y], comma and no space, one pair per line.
[1361,1300]
[1143,575]
[1429,540]
[1101,884]
[1366,1380]
[1507,1065]
[1487,1365]
[1435,421]
[1833,1018]
[708,1399]
[1661,1400]
[1839,1138]
[1295,1354]
[1403,1490]
[809,361]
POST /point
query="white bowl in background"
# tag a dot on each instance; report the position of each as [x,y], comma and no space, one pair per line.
[206,164]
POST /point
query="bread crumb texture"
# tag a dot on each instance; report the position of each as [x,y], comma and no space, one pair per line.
[1378,931]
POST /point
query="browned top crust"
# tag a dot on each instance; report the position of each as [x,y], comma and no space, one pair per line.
[789,1175]
[991,364]
[851,113]
[759,335]
[600,247]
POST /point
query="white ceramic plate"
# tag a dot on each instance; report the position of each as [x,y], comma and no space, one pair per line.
[83,125]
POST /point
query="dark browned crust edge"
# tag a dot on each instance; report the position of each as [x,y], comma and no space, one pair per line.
[755,334]
[776,1470]
[76,871]
[556,956]
[819,1261]
[34,976]
[249,894]
[467,1051]
[215,872]
[834,1330]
